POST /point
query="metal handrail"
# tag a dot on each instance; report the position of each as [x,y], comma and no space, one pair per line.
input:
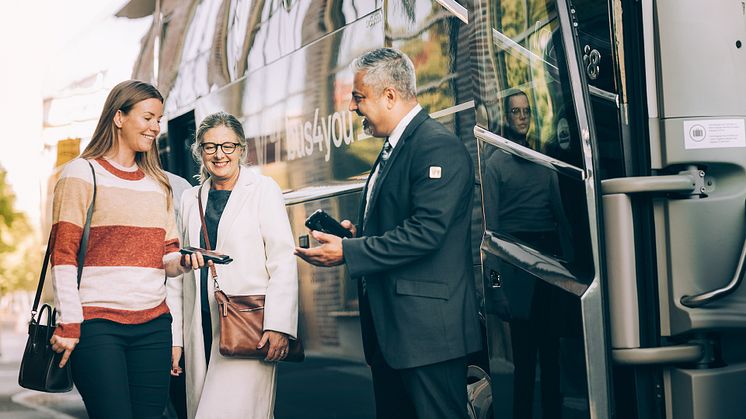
[643,184]
[699,300]
[677,183]
[656,356]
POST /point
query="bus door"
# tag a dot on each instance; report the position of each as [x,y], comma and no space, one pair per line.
[541,244]
[674,221]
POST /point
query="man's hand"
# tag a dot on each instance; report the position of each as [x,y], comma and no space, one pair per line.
[349,226]
[66,345]
[175,358]
[328,254]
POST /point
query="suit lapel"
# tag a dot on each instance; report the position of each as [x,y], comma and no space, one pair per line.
[236,201]
[364,196]
[416,122]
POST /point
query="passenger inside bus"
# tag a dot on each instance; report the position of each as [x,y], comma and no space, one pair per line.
[522,201]
[517,117]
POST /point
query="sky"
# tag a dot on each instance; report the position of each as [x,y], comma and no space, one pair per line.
[44,46]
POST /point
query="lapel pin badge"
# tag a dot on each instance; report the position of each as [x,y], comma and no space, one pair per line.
[435,172]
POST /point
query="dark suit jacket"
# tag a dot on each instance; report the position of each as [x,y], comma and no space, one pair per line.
[414,252]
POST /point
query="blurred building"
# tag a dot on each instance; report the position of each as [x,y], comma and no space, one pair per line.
[95,61]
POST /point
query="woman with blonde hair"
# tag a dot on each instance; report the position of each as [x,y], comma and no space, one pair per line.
[245,218]
[114,325]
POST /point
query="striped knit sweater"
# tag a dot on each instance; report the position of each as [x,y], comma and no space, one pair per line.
[133,243]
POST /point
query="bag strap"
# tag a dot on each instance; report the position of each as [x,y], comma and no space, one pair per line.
[87,229]
[81,251]
[213,271]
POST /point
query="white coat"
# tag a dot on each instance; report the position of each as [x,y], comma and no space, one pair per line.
[254,230]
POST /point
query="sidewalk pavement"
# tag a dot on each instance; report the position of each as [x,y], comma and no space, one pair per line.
[318,388]
[19,403]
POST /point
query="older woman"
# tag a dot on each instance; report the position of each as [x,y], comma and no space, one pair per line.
[245,219]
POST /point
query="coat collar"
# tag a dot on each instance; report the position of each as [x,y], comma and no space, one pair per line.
[421,117]
[239,195]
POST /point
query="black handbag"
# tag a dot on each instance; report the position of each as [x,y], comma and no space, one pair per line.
[39,365]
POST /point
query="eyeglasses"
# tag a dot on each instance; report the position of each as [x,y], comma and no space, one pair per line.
[212,148]
[520,111]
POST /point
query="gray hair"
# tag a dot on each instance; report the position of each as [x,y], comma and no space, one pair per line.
[217,119]
[388,67]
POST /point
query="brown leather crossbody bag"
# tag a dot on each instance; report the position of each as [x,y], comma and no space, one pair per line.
[242,318]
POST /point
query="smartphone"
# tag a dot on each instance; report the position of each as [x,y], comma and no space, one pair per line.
[207,255]
[321,221]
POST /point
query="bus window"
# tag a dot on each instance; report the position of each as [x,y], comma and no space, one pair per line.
[535,206]
[438,43]
[286,26]
[328,296]
[430,35]
[528,104]
[192,77]
[526,57]
[594,41]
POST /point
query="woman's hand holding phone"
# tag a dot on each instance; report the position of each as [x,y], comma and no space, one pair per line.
[194,260]
[197,258]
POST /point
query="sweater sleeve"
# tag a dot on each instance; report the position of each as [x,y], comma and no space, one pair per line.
[175,293]
[171,255]
[72,196]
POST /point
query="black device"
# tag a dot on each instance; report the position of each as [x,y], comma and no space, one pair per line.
[215,257]
[321,221]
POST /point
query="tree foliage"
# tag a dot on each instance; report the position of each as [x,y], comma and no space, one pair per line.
[20,256]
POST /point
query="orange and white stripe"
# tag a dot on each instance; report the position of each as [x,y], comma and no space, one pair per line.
[133,239]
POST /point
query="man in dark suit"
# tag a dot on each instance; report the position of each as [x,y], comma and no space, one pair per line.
[412,257]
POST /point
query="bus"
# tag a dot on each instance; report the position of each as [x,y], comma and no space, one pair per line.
[608,244]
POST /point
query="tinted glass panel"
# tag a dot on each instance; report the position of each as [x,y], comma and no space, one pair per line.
[295,111]
[328,297]
[192,79]
[175,148]
[437,42]
[534,206]
[594,41]
[522,86]
[288,25]
[537,262]
[536,248]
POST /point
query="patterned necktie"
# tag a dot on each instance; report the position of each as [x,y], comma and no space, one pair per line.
[385,154]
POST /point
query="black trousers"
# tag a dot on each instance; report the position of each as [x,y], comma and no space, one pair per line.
[122,370]
[528,340]
[539,337]
[434,391]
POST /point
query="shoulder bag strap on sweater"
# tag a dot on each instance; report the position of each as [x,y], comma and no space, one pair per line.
[87,229]
[81,251]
